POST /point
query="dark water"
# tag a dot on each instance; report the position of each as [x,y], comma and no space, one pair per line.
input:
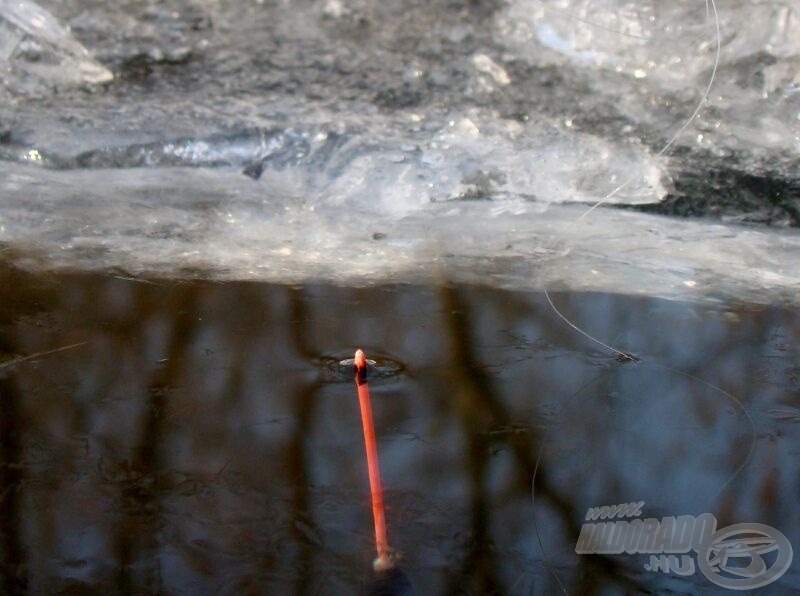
[200,441]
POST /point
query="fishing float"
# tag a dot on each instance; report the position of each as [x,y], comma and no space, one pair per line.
[371,445]
[389,579]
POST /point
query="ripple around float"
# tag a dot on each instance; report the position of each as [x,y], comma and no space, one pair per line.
[336,369]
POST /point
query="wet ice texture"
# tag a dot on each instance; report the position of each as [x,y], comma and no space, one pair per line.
[413,139]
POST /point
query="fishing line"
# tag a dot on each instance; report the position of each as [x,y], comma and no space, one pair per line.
[568,400]
[533,481]
[736,401]
[663,150]
[686,124]
[710,8]
[581,331]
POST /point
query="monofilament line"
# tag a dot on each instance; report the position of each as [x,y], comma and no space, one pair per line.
[663,150]
[686,124]
[581,331]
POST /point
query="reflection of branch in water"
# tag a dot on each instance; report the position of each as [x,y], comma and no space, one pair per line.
[19,293]
[471,388]
[13,572]
[533,483]
[304,402]
[483,404]
[297,459]
[141,496]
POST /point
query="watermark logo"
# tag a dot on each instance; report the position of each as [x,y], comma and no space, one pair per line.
[731,557]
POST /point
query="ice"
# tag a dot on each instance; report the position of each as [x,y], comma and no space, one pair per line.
[218,224]
[401,142]
[666,50]
[33,42]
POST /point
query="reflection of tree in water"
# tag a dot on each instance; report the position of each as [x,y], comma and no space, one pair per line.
[13,579]
[138,539]
[13,551]
[297,453]
[481,410]
[204,433]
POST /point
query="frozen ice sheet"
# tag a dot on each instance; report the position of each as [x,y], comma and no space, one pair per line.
[218,224]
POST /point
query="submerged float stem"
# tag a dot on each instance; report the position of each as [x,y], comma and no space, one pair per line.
[371,445]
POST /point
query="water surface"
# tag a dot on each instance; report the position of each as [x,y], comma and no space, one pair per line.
[199,441]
